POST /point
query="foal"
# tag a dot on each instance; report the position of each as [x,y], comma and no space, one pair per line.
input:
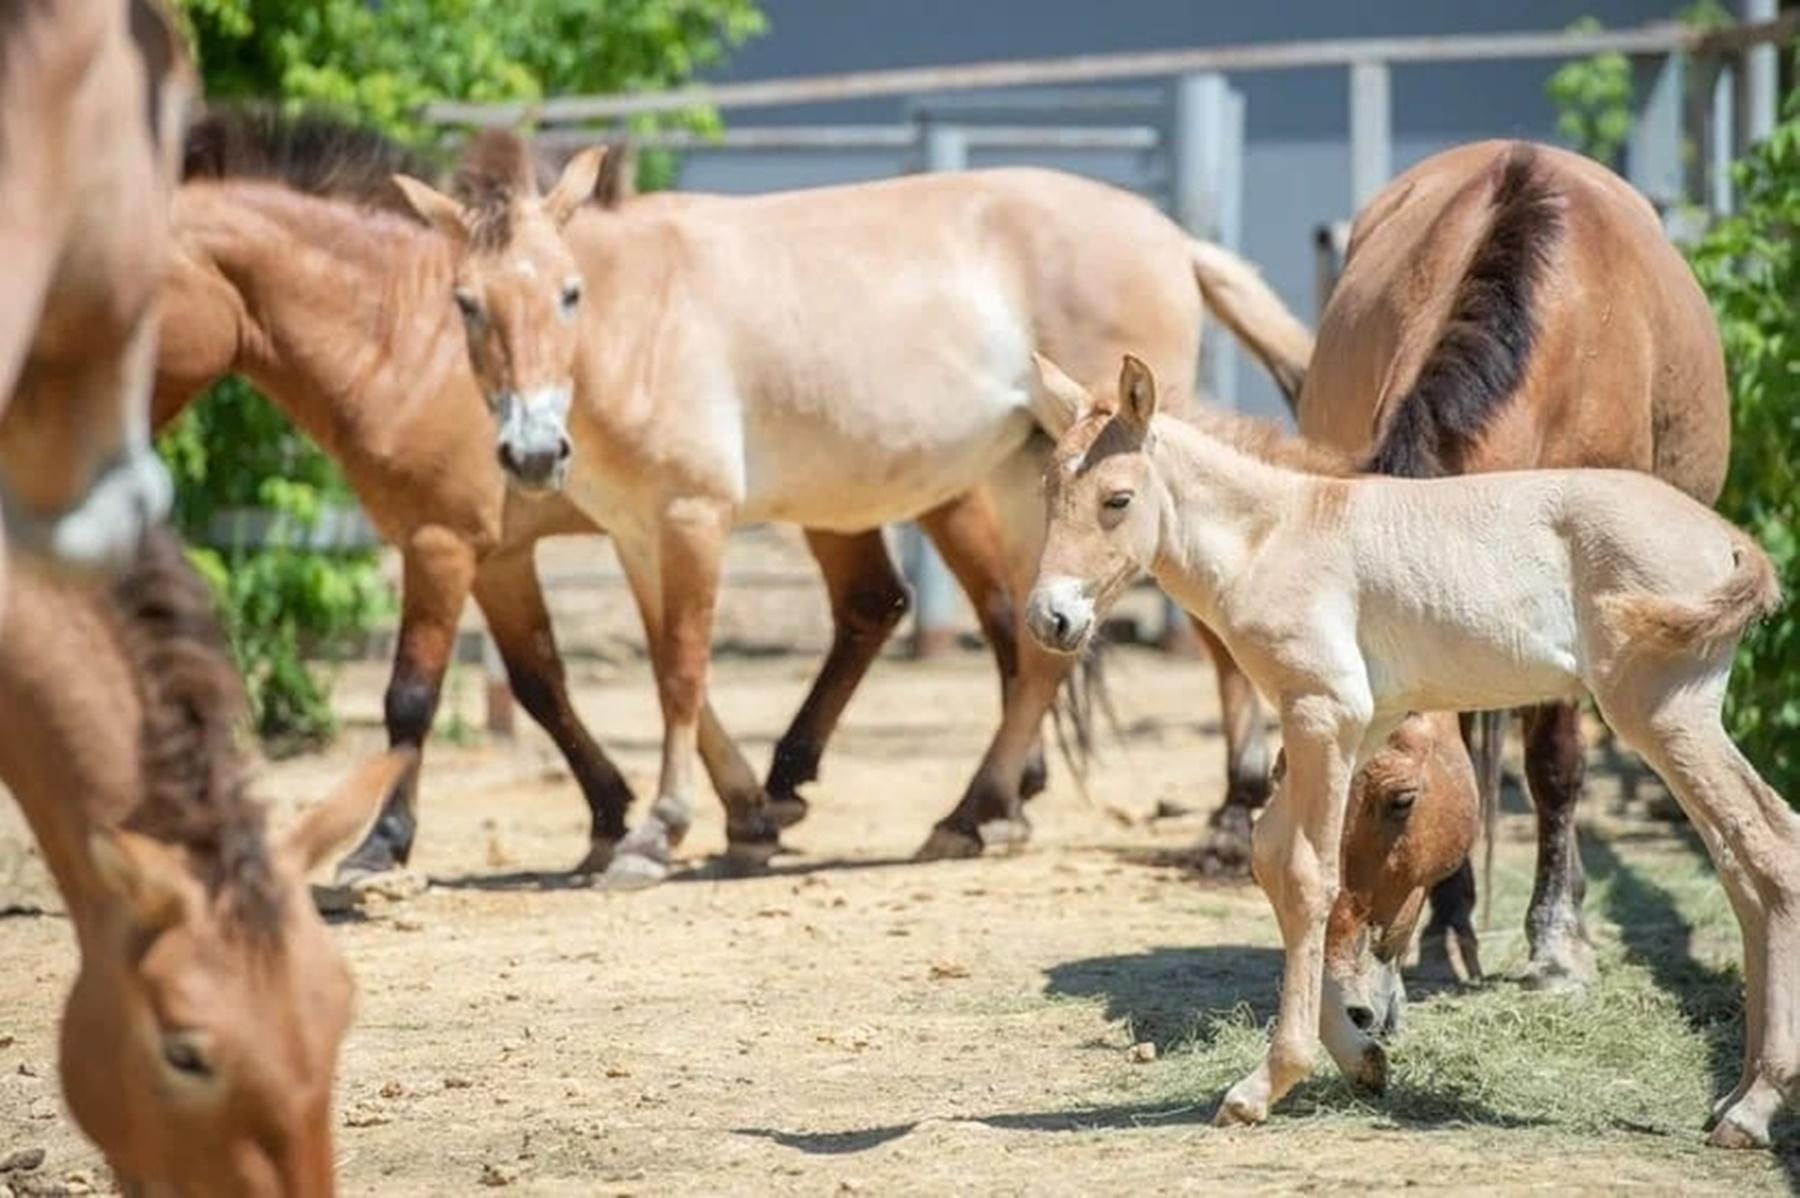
[201,1035]
[1350,602]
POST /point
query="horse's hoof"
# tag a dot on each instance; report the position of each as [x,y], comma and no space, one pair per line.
[786,811]
[599,857]
[632,871]
[948,844]
[1006,834]
[362,890]
[1239,1110]
[1729,1133]
[1566,972]
[374,858]
[748,859]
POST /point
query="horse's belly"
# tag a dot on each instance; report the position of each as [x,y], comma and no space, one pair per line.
[1524,662]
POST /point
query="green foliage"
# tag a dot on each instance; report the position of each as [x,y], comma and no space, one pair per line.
[379,62]
[1593,99]
[1749,264]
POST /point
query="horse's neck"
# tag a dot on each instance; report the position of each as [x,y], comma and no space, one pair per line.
[345,315]
[1220,506]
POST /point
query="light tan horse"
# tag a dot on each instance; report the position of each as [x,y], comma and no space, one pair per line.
[839,359]
[1351,602]
[200,1038]
[298,265]
[91,101]
[1505,306]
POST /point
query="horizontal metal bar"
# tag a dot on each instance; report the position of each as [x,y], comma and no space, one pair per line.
[1041,99]
[870,137]
[1666,37]
[337,530]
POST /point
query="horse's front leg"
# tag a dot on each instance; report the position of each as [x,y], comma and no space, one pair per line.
[674,574]
[1295,860]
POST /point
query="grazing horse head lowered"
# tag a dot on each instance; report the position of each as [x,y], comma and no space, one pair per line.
[519,290]
[200,1039]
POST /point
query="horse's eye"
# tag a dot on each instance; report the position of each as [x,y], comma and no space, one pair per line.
[571,296]
[1118,501]
[1400,804]
[182,1053]
[468,303]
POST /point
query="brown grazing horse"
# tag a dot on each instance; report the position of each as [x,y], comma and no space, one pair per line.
[837,358]
[299,266]
[92,94]
[1505,306]
[201,1036]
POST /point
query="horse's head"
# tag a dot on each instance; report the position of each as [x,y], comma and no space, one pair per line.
[1409,824]
[1103,504]
[201,1037]
[519,291]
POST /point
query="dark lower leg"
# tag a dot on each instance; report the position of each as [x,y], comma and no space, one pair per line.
[1555,764]
[1241,716]
[868,601]
[509,595]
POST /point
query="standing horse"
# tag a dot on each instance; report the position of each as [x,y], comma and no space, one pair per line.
[838,358]
[201,1036]
[1351,602]
[298,265]
[91,100]
[1505,306]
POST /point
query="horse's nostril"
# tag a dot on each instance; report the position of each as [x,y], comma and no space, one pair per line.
[563,450]
[1059,623]
[1362,1017]
[506,458]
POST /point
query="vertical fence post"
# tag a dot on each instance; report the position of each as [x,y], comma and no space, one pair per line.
[1202,144]
[946,149]
[1721,142]
[1761,69]
[1371,131]
[1654,162]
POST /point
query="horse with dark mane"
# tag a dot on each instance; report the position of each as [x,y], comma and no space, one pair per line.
[200,1039]
[1506,306]
[299,265]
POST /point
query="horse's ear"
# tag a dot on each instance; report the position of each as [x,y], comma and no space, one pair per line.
[142,874]
[322,829]
[577,185]
[434,207]
[1137,392]
[617,181]
[1058,400]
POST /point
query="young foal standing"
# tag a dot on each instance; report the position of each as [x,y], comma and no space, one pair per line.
[201,1036]
[1350,602]
[91,100]
[1506,306]
[838,358]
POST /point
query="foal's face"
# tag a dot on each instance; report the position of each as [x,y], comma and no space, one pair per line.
[518,291]
[1103,504]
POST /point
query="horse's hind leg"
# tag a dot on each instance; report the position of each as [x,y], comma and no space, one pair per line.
[868,600]
[507,590]
[1754,840]
[438,569]
[1555,765]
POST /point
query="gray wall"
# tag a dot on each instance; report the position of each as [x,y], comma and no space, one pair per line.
[1297,158]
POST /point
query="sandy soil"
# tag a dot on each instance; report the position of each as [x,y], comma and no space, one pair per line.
[852,1023]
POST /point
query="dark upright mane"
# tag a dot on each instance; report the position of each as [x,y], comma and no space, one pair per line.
[1485,349]
[312,153]
[495,169]
[194,775]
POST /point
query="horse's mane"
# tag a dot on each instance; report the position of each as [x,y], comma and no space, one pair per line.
[1485,348]
[313,153]
[495,169]
[1270,442]
[195,791]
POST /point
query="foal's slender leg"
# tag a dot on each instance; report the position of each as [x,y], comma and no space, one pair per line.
[438,569]
[507,590]
[1295,860]
[1555,764]
[1246,756]
[868,600]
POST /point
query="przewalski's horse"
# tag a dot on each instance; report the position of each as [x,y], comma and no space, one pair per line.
[92,94]
[200,1039]
[1503,307]
[299,266]
[1351,602]
[838,358]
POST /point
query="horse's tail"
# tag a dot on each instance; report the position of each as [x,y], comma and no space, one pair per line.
[1083,694]
[1678,626]
[1483,351]
[1235,290]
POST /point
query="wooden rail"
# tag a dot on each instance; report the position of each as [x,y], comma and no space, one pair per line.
[1667,37]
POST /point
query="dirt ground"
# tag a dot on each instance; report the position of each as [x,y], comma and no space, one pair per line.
[853,1023]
